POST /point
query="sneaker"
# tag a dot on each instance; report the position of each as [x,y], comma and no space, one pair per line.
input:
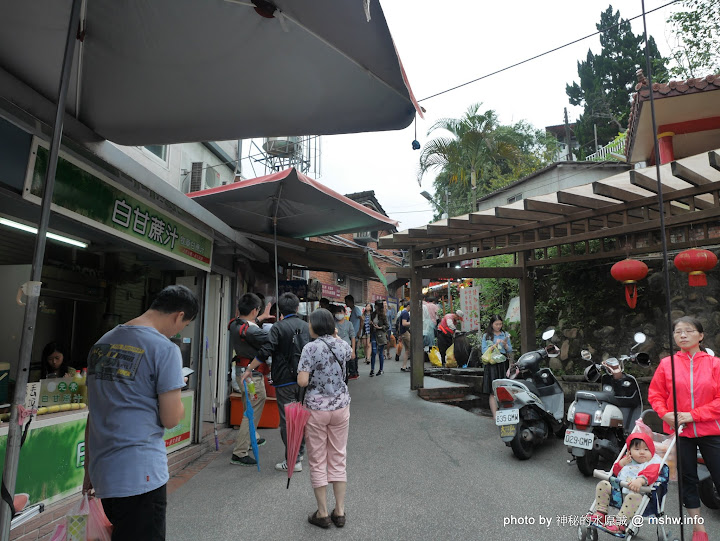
[397,358]
[354,376]
[260,442]
[379,373]
[283,466]
[372,373]
[243,460]
[404,369]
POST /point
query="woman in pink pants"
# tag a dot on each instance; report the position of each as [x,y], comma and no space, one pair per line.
[322,369]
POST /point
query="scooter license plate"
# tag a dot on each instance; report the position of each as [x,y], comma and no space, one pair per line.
[575,438]
[507,417]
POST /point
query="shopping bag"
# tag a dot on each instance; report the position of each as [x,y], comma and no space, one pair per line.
[60,533]
[76,520]
[450,361]
[99,527]
[392,342]
[434,355]
[487,357]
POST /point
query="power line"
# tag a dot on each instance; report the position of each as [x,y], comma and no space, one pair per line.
[545,53]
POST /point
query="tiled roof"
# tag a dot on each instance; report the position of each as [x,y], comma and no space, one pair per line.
[664,90]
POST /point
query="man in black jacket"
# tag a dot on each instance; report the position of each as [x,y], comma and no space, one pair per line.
[287,338]
[247,338]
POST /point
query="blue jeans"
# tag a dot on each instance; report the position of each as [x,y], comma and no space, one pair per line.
[380,350]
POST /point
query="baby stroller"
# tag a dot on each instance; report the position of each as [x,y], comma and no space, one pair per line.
[652,506]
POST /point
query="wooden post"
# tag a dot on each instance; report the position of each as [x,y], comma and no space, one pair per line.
[527,306]
[416,323]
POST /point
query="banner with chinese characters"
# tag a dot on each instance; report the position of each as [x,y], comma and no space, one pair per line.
[470,305]
[97,201]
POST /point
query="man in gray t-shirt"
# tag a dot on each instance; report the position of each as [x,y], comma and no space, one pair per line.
[134,381]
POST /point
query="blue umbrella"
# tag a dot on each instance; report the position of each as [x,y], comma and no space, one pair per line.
[250,414]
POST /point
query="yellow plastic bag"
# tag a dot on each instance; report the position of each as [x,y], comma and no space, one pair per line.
[434,355]
[450,361]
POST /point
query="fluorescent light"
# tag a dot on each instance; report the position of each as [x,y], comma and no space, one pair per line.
[33,230]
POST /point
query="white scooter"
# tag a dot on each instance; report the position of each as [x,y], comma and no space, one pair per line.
[531,403]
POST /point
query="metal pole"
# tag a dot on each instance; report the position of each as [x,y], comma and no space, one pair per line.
[567,137]
[12,453]
[666,270]
[277,279]
[447,211]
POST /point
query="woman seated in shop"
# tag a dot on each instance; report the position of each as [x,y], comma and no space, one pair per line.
[54,362]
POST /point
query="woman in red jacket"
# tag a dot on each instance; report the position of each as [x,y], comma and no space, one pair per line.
[697,382]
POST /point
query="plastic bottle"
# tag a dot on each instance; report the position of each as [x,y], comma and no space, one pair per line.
[251,386]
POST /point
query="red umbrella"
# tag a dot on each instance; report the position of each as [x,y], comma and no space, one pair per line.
[296,416]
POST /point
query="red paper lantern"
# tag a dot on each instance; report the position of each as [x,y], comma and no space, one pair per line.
[629,271]
[694,262]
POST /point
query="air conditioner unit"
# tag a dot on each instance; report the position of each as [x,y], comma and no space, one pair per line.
[202,177]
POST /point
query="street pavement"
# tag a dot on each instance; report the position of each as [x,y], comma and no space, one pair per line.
[417,470]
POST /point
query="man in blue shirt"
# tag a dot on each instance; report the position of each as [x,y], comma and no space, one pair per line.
[355,319]
[134,381]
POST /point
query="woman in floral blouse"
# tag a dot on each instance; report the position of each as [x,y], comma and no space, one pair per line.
[322,369]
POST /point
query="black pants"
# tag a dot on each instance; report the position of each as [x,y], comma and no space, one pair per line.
[710,449]
[444,342]
[285,395]
[138,518]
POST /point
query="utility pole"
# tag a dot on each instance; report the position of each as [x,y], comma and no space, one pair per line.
[595,131]
[567,137]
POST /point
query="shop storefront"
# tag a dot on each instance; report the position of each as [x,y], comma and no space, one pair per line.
[114,245]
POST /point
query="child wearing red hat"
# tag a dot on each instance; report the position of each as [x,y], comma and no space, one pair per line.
[639,467]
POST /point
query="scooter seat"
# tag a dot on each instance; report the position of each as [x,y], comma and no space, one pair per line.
[606,396]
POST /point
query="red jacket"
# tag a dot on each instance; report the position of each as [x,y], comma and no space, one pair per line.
[697,381]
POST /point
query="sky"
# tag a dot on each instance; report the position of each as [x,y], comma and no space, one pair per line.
[446,43]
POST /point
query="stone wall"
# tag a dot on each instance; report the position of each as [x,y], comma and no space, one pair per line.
[597,318]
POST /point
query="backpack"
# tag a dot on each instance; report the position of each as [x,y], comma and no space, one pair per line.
[295,351]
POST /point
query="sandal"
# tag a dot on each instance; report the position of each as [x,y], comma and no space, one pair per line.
[322,522]
[338,520]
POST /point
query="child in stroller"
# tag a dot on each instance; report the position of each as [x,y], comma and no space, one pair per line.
[637,485]
[639,467]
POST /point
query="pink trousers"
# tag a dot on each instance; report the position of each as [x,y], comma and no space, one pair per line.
[326,435]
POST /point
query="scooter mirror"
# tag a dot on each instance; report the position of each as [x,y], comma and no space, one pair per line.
[552,350]
[547,335]
[643,359]
[592,374]
[586,355]
[639,338]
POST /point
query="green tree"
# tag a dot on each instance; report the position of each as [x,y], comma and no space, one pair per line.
[696,32]
[479,155]
[608,79]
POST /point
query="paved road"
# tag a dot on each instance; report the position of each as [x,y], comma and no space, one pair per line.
[416,470]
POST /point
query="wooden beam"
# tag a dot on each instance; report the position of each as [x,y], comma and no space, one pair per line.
[484,219]
[441,273]
[650,184]
[613,192]
[524,215]
[550,208]
[582,200]
[714,159]
[527,305]
[688,175]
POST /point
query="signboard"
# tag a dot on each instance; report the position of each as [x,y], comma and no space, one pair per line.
[375,297]
[513,313]
[90,198]
[181,435]
[52,459]
[331,291]
[58,391]
[470,305]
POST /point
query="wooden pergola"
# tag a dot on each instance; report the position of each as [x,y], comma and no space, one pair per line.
[620,214]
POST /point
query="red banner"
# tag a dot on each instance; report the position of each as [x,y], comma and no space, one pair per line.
[331,291]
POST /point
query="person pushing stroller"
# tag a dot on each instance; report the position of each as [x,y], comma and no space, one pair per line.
[639,467]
